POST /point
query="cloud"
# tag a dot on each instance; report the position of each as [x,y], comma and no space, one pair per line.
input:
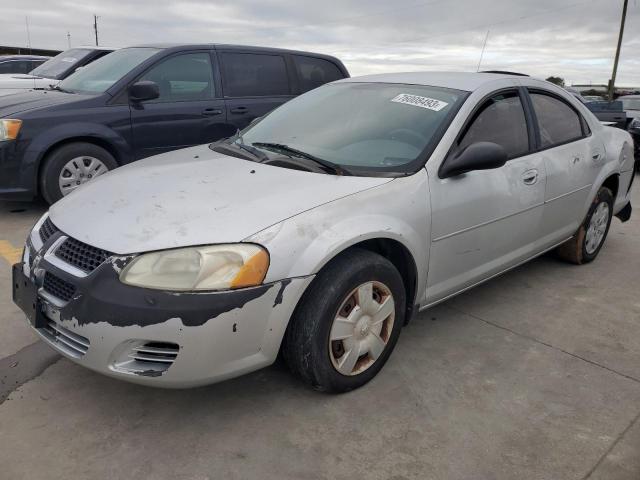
[572,39]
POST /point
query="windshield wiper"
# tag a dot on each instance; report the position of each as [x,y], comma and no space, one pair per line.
[293,152]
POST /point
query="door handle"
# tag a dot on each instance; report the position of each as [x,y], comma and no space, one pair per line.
[596,156]
[239,110]
[210,112]
[530,177]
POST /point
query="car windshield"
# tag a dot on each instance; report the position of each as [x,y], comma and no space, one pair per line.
[630,103]
[60,64]
[99,76]
[368,126]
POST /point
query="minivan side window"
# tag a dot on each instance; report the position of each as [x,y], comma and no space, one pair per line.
[500,120]
[254,75]
[558,122]
[183,78]
[314,72]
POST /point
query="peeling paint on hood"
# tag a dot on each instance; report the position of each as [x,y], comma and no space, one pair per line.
[193,197]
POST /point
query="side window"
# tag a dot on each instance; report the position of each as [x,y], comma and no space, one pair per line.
[254,75]
[5,67]
[500,120]
[558,122]
[183,78]
[314,72]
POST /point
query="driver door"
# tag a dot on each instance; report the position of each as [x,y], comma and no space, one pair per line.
[487,220]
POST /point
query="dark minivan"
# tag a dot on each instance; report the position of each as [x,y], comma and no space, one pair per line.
[141,101]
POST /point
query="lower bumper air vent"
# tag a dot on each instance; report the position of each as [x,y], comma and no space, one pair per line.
[150,359]
[65,340]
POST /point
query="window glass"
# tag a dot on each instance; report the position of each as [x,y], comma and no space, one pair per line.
[62,63]
[254,75]
[368,125]
[7,67]
[101,74]
[630,103]
[183,78]
[314,72]
[558,122]
[500,120]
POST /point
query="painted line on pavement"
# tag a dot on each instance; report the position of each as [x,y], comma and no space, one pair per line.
[10,253]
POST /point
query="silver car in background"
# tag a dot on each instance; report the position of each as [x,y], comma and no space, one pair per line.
[321,229]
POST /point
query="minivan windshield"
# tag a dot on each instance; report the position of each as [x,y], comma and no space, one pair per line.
[61,63]
[99,76]
[359,126]
[630,103]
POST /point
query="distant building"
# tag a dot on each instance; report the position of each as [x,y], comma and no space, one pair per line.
[7,50]
[599,88]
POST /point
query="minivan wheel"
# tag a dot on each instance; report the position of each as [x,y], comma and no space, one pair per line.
[587,242]
[347,323]
[73,165]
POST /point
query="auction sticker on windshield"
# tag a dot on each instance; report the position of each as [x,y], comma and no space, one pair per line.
[418,101]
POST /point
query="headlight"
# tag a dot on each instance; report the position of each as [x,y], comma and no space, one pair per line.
[635,123]
[9,129]
[215,267]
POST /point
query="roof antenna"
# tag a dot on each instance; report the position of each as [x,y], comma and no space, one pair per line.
[483,48]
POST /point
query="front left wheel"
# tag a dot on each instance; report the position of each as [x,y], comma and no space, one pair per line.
[347,323]
[72,165]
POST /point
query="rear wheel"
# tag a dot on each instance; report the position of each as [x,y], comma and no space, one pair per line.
[73,165]
[347,323]
[587,242]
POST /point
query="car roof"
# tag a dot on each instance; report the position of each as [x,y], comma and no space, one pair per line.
[92,47]
[224,46]
[467,81]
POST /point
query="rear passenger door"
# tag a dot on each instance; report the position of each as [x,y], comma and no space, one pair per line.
[572,157]
[253,84]
[189,110]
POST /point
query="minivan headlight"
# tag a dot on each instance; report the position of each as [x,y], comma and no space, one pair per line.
[9,129]
[635,123]
[214,267]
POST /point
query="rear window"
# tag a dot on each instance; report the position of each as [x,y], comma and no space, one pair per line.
[254,75]
[314,72]
[61,64]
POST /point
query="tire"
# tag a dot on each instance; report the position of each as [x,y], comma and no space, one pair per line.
[308,348]
[579,250]
[56,161]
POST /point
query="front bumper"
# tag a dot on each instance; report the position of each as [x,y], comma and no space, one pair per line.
[153,337]
[17,171]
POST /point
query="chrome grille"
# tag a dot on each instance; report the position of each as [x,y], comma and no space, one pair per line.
[47,229]
[80,255]
[65,340]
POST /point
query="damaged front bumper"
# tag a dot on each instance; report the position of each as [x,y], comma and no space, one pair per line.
[154,337]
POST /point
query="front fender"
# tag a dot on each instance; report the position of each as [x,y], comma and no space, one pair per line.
[42,142]
[398,210]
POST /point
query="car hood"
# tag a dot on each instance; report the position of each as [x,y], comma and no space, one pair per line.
[193,197]
[21,80]
[21,102]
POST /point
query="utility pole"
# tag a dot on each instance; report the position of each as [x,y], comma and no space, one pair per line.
[612,82]
[69,39]
[95,27]
[26,21]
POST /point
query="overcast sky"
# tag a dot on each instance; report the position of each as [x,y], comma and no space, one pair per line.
[571,38]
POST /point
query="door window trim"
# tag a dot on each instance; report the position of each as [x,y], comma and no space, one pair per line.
[122,98]
[584,126]
[529,119]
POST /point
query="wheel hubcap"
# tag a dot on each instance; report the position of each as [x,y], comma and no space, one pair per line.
[78,171]
[362,328]
[597,228]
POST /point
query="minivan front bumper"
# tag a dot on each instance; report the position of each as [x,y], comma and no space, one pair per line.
[152,337]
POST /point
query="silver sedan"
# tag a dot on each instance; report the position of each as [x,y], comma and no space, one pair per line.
[321,229]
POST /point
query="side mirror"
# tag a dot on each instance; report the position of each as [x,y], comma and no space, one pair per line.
[477,156]
[143,90]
